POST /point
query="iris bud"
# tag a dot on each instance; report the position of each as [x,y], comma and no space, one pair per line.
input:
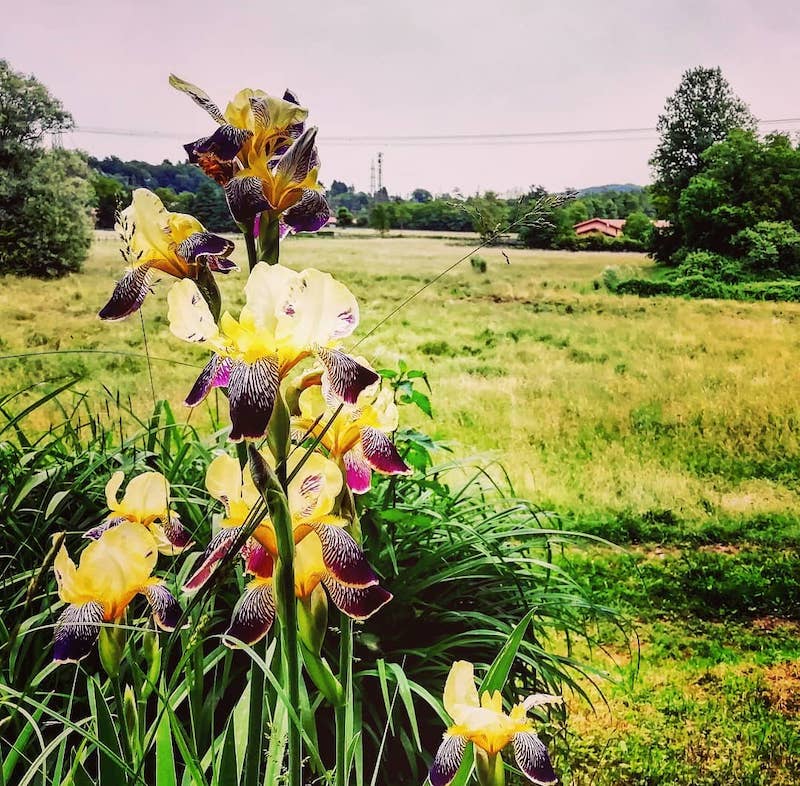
[111,646]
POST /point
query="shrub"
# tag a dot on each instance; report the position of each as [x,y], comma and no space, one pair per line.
[478,264]
[770,248]
[710,265]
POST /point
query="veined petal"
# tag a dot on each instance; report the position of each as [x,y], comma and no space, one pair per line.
[344,376]
[447,760]
[313,491]
[129,293]
[209,561]
[76,632]
[95,532]
[216,374]
[176,534]
[198,96]
[220,264]
[189,316]
[246,198]
[251,391]
[224,143]
[257,560]
[360,603]
[253,614]
[533,759]
[381,453]
[204,244]
[165,607]
[359,472]
[343,557]
[295,164]
[309,214]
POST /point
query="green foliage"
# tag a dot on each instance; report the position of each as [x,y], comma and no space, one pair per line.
[770,249]
[211,208]
[478,263]
[140,174]
[638,226]
[380,217]
[45,229]
[344,217]
[110,196]
[701,111]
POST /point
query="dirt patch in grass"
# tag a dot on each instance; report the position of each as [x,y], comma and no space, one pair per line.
[783,687]
[721,548]
[772,623]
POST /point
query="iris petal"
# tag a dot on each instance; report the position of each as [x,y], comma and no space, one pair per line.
[359,473]
[95,532]
[251,391]
[381,453]
[198,96]
[129,293]
[204,244]
[166,609]
[295,164]
[533,759]
[344,376]
[223,144]
[216,550]
[176,533]
[447,760]
[246,198]
[309,214]
[343,557]
[253,615]
[76,631]
[357,602]
[215,374]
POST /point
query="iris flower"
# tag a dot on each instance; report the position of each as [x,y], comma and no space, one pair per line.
[146,502]
[287,317]
[113,569]
[358,437]
[481,721]
[325,553]
[262,155]
[155,239]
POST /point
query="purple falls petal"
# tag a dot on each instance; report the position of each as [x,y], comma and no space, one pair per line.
[245,198]
[359,603]
[380,452]
[309,214]
[216,550]
[533,759]
[165,607]
[447,760]
[204,244]
[344,376]
[129,293]
[216,374]
[76,632]
[251,392]
[253,615]
[344,558]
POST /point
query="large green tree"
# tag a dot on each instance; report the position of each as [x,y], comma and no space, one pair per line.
[45,196]
[701,111]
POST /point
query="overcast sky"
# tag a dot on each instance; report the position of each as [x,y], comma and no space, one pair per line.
[400,69]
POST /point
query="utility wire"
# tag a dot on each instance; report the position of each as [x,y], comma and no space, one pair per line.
[535,137]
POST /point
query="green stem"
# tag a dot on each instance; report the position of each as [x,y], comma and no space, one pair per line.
[341,713]
[250,245]
[269,238]
[255,727]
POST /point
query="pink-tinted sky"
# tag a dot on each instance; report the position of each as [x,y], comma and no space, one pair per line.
[400,69]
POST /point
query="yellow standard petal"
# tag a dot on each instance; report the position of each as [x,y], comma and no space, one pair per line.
[189,315]
[460,692]
[111,570]
[146,498]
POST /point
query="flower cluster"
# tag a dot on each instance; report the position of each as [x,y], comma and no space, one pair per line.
[288,517]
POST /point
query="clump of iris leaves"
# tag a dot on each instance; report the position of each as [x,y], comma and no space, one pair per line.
[465,559]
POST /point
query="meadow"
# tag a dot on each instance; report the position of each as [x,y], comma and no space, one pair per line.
[668,426]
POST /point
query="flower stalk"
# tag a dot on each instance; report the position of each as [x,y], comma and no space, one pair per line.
[269,237]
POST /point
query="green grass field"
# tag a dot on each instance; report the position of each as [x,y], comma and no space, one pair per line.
[672,426]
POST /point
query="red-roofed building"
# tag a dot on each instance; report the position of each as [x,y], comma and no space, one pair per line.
[612,227]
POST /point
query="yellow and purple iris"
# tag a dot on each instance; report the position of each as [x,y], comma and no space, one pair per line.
[263,156]
[145,502]
[157,240]
[359,435]
[287,317]
[326,555]
[113,569]
[480,720]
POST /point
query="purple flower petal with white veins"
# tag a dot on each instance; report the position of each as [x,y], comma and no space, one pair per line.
[216,374]
[310,213]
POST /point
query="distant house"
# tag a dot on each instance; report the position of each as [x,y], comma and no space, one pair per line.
[612,227]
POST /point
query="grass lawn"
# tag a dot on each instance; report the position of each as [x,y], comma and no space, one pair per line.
[670,425]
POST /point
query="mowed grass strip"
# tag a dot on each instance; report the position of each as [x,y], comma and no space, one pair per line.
[601,406]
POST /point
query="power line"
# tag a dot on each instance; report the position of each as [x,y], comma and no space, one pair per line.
[521,137]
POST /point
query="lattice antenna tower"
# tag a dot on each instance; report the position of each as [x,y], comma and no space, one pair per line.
[372,177]
[380,171]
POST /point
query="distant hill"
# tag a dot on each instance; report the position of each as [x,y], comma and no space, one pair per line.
[139,174]
[624,187]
